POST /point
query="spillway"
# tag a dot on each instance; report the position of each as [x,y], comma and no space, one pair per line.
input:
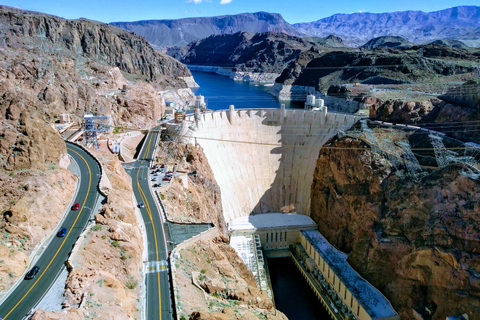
[264,159]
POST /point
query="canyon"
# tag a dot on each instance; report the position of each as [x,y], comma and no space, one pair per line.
[415,237]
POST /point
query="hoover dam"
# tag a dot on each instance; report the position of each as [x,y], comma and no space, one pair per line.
[264,159]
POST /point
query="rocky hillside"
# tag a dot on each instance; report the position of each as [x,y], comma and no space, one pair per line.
[460,23]
[252,52]
[388,42]
[414,237]
[456,113]
[383,66]
[51,66]
[180,32]
[214,283]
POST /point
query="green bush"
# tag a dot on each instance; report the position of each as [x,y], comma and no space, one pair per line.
[97,227]
[115,243]
[131,284]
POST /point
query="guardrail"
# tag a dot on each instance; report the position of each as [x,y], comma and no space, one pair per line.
[35,254]
[102,170]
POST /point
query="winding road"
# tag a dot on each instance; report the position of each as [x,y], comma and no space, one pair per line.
[30,292]
[159,305]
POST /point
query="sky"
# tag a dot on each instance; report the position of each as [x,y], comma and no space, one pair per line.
[293,11]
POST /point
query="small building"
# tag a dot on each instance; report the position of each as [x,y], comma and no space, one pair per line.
[179,116]
[200,102]
[277,231]
[64,118]
[313,103]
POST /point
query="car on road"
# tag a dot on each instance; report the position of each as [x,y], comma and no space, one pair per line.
[32,273]
[141,205]
[76,206]
[62,232]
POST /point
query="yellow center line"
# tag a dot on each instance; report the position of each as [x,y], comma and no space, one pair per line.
[149,212]
[147,150]
[63,242]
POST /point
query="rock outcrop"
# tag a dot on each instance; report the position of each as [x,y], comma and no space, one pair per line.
[415,240]
[213,282]
[52,66]
[199,200]
[246,55]
[317,71]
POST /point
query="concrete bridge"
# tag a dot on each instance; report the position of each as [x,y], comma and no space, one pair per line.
[264,159]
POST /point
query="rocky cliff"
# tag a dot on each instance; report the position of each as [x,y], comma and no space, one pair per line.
[318,71]
[417,26]
[413,237]
[198,199]
[456,113]
[180,32]
[51,66]
[250,53]
[213,283]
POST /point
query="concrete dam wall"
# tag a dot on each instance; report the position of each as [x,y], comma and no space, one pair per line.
[264,159]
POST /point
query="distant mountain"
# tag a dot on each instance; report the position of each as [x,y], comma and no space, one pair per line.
[388,42]
[267,52]
[460,23]
[450,43]
[180,32]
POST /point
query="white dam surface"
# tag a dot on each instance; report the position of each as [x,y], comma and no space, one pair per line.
[264,159]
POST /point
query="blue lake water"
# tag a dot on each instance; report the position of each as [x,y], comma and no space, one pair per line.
[220,92]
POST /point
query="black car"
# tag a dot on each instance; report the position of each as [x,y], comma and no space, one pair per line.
[32,273]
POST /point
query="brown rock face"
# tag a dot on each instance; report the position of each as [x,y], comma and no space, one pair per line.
[204,199]
[92,40]
[212,280]
[399,111]
[416,241]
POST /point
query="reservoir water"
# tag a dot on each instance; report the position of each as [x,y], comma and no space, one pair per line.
[292,294]
[220,92]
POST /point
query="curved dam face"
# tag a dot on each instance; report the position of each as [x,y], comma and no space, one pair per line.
[264,159]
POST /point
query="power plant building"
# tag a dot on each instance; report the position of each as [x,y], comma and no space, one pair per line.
[355,295]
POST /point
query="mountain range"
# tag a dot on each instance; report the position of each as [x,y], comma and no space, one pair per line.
[180,32]
[457,23]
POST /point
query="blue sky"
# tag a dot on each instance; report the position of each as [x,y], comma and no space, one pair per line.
[292,10]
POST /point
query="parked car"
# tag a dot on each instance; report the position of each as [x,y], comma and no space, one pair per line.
[32,273]
[169,172]
[76,206]
[166,179]
[141,205]
[62,232]
[162,166]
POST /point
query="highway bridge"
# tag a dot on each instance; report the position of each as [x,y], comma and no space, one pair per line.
[30,292]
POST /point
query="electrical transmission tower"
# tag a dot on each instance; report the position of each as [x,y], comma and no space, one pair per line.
[93,125]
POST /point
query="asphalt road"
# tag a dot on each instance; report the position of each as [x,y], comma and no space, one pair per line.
[158,303]
[29,292]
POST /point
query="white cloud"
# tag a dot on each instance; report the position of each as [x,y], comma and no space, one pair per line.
[194,1]
[225,1]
